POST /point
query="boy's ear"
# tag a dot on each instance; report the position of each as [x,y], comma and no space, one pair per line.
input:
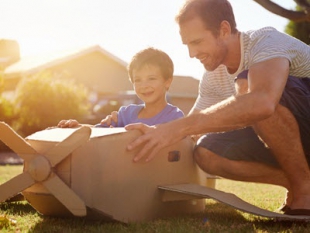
[168,83]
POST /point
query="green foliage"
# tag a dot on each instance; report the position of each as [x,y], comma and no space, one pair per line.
[6,110]
[43,100]
[1,82]
[299,30]
[6,107]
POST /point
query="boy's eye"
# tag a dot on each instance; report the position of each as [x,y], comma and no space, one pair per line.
[196,42]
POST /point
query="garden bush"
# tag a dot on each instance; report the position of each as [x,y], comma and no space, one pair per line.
[44,99]
[6,112]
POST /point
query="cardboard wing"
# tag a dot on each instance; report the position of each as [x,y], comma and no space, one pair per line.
[183,191]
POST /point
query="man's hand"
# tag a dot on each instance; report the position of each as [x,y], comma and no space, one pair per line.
[68,124]
[154,138]
[109,119]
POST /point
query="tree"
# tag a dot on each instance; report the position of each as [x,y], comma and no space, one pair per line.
[6,111]
[300,30]
[44,99]
[302,15]
[299,25]
[6,107]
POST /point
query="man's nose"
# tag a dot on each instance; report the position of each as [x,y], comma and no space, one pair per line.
[192,52]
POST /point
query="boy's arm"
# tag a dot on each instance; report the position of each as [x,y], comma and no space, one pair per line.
[107,121]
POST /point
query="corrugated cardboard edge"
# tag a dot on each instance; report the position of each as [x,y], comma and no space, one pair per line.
[59,134]
[229,199]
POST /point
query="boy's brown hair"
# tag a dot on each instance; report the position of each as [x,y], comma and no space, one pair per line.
[151,56]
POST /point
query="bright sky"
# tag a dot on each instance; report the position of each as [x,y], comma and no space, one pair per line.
[122,27]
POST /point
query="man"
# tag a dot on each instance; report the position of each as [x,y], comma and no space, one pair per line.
[273,106]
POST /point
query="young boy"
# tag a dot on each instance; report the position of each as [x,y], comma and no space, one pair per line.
[151,72]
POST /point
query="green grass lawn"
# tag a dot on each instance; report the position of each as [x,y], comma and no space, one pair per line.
[217,217]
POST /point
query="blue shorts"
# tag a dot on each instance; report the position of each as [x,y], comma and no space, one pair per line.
[245,145]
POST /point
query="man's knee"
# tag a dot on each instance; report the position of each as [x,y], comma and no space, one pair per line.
[206,160]
[197,156]
[200,155]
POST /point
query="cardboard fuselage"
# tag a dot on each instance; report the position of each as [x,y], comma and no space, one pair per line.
[102,173]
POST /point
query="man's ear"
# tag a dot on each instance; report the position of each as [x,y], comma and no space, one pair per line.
[225,29]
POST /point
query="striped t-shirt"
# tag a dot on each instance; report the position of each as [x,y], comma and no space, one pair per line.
[268,43]
[214,87]
[256,46]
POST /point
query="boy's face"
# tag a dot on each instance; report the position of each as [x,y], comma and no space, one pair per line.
[149,84]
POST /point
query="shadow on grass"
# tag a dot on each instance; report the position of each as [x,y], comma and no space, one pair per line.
[19,207]
[217,217]
[76,224]
[237,221]
[282,225]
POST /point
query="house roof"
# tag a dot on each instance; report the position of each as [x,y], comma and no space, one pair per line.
[29,65]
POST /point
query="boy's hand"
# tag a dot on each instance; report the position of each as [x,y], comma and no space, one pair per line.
[109,119]
[68,123]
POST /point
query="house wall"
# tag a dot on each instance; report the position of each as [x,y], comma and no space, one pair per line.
[183,92]
[9,84]
[183,103]
[9,52]
[97,72]
[184,85]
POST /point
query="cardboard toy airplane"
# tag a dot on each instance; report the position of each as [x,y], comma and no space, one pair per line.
[85,171]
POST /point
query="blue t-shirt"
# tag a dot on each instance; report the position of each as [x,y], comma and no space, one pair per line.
[129,114]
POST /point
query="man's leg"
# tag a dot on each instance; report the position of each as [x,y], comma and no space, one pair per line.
[281,133]
[239,155]
[287,133]
[239,170]
[242,171]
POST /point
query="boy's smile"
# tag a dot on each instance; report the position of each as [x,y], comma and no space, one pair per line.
[150,85]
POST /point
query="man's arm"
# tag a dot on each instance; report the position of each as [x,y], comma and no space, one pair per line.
[266,81]
[193,111]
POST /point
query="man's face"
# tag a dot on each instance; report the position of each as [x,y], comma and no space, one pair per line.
[202,44]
